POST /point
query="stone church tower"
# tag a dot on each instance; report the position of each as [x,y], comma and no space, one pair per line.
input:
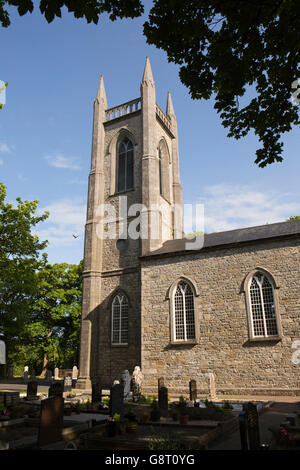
[134,205]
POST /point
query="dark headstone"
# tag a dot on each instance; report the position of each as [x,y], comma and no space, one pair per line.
[68,383]
[193,390]
[10,372]
[48,375]
[56,389]
[51,421]
[161,382]
[32,387]
[243,430]
[163,398]
[96,392]
[252,427]
[126,381]
[116,402]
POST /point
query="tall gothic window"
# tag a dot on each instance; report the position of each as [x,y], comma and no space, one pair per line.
[119,323]
[183,313]
[262,306]
[160,171]
[124,165]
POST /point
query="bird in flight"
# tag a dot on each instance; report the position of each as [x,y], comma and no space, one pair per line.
[75,236]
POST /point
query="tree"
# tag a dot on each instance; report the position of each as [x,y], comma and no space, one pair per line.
[19,260]
[223,47]
[293,217]
[227,49]
[2,88]
[54,327]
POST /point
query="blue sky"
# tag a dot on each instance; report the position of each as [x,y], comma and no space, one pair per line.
[53,72]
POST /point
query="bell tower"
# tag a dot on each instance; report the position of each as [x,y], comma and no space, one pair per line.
[134,206]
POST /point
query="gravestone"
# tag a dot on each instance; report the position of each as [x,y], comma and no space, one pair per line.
[48,375]
[32,387]
[193,390]
[136,383]
[125,381]
[252,426]
[2,353]
[26,374]
[163,398]
[56,373]
[32,375]
[74,376]
[10,372]
[51,421]
[161,382]
[212,386]
[56,389]
[68,383]
[96,391]
[116,402]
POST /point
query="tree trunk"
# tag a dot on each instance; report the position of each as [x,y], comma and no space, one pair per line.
[45,363]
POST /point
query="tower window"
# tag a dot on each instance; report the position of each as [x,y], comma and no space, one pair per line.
[125,166]
[119,329]
[160,172]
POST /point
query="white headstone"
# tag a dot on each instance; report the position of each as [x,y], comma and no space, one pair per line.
[2,352]
[74,373]
[56,377]
[26,369]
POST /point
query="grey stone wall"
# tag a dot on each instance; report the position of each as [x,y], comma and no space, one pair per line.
[223,347]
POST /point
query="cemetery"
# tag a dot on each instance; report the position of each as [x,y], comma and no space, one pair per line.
[120,417]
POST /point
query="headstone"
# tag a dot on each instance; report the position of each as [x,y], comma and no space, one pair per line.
[32,375]
[75,373]
[74,376]
[56,389]
[96,391]
[26,374]
[163,398]
[68,383]
[136,381]
[212,386]
[193,390]
[51,421]
[161,382]
[56,373]
[252,427]
[125,381]
[32,387]
[10,372]
[49,374]
[116,402]
[2,352]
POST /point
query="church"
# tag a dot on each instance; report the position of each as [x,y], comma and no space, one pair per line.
[225,303]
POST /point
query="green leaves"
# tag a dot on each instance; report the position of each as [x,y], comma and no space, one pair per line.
[226,47]
[91,10]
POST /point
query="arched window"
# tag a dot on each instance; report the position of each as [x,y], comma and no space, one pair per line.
[262,306]
[119,322]
[183,313]
[164,169]
[124,165]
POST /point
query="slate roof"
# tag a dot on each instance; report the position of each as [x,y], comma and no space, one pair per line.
[230,237]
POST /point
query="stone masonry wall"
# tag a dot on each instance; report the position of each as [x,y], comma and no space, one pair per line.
[223,347]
